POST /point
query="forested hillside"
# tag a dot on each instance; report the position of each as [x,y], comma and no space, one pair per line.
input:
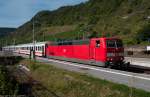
[127,19]
[6,31]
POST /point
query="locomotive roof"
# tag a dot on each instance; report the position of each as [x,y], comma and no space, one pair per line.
[105,38]
[70,42]
[76,42]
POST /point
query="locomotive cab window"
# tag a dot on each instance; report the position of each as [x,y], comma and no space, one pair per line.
[97,43]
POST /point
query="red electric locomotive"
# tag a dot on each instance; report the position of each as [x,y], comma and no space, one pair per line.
[96,51]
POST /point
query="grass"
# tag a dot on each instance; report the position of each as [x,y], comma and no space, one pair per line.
[71,84]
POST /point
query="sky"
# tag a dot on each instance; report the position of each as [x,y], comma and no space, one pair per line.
[14,13]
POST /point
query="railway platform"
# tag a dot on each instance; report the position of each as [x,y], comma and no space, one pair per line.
[139,62]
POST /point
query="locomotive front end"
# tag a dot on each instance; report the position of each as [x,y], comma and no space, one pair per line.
[115,53]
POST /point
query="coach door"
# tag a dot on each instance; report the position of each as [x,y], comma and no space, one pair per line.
[92,50]
[43,50]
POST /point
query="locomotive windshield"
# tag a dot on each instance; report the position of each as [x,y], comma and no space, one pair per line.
[114,43]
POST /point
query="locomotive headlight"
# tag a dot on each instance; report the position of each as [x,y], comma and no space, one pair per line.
[110,54]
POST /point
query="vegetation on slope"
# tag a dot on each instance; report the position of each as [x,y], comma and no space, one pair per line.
[128,19]
[7,85]
[6,31]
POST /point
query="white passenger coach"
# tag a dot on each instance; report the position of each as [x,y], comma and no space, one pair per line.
[38,47]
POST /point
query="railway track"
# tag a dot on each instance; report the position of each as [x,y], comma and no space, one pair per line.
[134,67]
[28,86]
[139,78]
[131,68]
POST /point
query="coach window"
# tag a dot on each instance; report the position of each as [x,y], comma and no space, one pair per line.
[39,48]
[97,43]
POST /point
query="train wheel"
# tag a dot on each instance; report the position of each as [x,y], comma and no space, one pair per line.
[107,65]
[127,65]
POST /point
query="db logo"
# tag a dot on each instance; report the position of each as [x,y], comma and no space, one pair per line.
[64,50]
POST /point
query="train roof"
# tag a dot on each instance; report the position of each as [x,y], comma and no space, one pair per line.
[77,42]
[60,42]
[31,44]
[109,38]
[70,42]
[28,44]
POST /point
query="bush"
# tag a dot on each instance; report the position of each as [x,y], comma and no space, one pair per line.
[8,86]
[143,34]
